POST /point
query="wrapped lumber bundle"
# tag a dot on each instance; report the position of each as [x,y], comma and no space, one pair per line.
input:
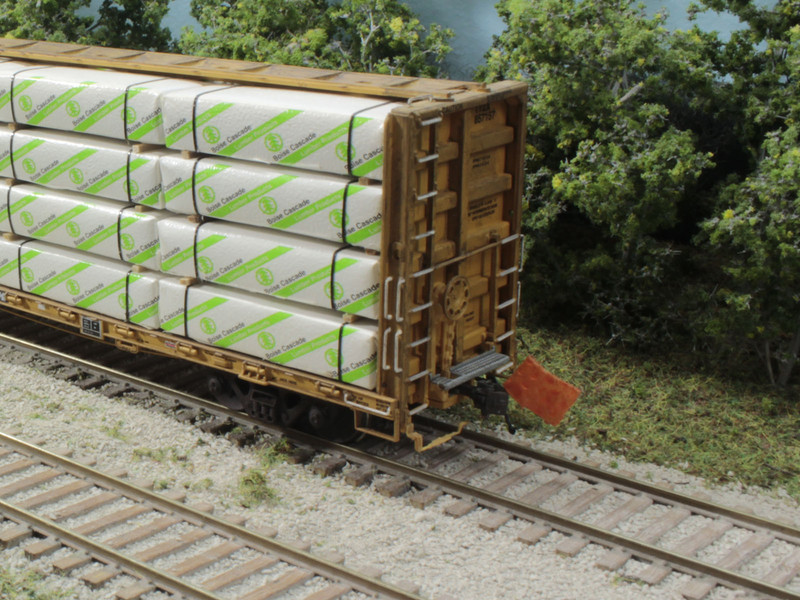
[331,133]
[273,263]
[80,163]
[71,220]
[81,280]
[111,104]
[292,200]
[286,333]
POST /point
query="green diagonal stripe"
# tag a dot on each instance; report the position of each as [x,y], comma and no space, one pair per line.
[186,184]
[205,117]
[359,236]
[361,372]
[253,194]
[19,88]
[6,162]
[14,264]
[18,205]
[322,141]
[258,132]
[360,304]
[142,131]
[60,101]
[315,277]
[316,207]
[62,220]
[198,310]
[106,292]
[106,110]
[116,175]
[314,344]
[251,265]
[61,278]
[138,259]
[369,166]
[65,166]
[189,252]
[107,233]
[145,314]
[245,333]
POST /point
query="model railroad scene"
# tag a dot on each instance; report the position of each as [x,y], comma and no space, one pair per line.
[298,281]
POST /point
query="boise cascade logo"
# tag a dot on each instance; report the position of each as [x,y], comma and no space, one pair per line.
[25,103]
[133,187]
[27,274]
[211,134]
[124,301]
[205,264]
[335,292]
[126,241]
[208,325]
[268,205]
[129,115]
[73,108]
[76,176]
[26,218]
[337,218]
[207,194]
[73,229]
[342,149]
[332,357]
[266,340]
[73,287]
[264,277]
[28,166]
[273,142]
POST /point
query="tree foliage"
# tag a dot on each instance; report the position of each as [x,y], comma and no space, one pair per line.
[119,23]
[662,171]
[380,36]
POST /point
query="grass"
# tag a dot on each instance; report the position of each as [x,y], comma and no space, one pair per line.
[254,488]
[659,409]
[27,585]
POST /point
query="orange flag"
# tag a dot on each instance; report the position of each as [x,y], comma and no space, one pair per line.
[541,392]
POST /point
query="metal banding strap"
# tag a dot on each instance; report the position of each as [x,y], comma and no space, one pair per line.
[194,111]
[339,354]
[11,157]
[11,88]
[127,296]
[119,230]
[186,310]
[194,184]
[128,175]
[19,262]
[8,208]
[194,249]
[125,103]
[344,209]
[332,282]
[350,134]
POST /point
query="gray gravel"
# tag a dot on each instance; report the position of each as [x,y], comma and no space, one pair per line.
[446,557]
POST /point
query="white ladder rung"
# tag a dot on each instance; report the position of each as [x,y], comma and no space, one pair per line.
[431,121]
[420,341]
[427,195]
[421,307]
[427,234]
[419,375]
[427,158]
[506,304]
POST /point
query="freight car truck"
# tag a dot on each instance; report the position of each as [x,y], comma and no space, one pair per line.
[444,301]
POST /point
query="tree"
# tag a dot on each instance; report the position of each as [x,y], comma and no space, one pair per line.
[358,35]
[756,232]
[119,23]
[611,165]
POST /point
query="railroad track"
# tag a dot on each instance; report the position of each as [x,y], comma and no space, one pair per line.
[134,541]
[663,530]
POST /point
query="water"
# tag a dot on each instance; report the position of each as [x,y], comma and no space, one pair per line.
[475,23]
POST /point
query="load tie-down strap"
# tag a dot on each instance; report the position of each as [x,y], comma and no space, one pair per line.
[470,369]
